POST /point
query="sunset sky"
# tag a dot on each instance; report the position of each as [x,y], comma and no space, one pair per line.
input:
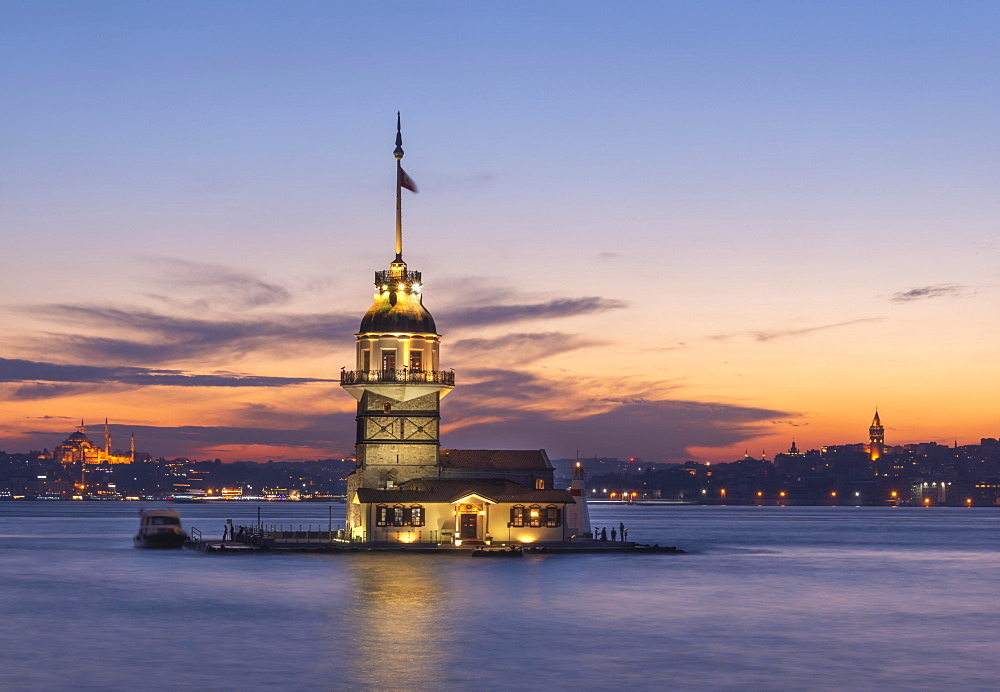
[667,230]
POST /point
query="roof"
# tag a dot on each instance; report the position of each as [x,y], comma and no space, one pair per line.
[527,459]
[419,491]
[398,311]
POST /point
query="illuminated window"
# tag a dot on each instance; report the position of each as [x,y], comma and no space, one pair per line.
[416,361]
[399,515]
[389,359]
[382,516]
[517,515]
[399,518]
[535,516]
[540,484]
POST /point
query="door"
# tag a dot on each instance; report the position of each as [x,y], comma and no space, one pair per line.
[467,530]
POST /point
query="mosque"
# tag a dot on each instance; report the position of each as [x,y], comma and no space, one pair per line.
[405,488]
[78,448]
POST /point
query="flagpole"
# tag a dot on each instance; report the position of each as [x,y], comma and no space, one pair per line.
[398,153]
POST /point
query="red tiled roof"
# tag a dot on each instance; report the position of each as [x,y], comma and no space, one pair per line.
[451,490]
[534,459]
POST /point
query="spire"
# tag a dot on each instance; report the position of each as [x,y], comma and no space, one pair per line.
[398,153]
[131,448]
[876,421]
[107,438]
[81,428]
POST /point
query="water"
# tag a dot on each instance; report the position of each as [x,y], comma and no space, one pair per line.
[789,598]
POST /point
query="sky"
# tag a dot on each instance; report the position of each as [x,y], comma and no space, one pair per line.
[665,230]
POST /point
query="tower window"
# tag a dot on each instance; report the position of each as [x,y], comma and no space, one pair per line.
[416,361]
[539,484]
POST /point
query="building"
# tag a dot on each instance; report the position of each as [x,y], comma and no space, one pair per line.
[876,437]
[78,448]
[405,488]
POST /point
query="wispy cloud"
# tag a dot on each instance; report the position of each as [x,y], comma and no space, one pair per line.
[482,315]
[217,286]
[150,338]
[770,335]
[925,292]
[516,349]
[41,380]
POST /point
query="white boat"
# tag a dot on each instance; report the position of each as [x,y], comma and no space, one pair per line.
[160,528]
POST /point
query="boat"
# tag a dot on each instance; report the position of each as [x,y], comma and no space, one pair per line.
[160,528]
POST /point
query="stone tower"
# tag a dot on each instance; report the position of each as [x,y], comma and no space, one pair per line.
[397,379]
[876,436]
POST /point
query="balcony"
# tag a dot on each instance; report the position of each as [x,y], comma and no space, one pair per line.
[404,376]
[393,276]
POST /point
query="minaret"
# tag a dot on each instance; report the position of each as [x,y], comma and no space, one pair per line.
[876,436]
[107,440]
[131,448]
[397,382]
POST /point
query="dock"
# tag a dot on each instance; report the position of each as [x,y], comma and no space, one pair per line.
[251,539]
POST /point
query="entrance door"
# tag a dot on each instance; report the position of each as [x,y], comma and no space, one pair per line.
[467,530]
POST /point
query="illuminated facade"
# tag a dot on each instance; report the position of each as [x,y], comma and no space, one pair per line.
[876,436]
[78,448]
[405,488]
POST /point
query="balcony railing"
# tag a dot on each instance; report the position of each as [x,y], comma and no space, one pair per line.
[404,375]
[390,276]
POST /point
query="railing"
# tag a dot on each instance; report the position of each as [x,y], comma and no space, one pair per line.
[390,276]
[404,375]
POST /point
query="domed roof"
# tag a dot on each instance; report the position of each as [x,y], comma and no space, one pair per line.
[398,311]
[78,439]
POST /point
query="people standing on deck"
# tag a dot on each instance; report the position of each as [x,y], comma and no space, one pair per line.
[621,529]
[604,534]
[624,533]
[614,535]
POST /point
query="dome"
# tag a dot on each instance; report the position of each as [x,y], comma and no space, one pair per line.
[398,312]
[78,439]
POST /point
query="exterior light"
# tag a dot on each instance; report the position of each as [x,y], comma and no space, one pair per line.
[833,494]
[782,493]
[760,494]
[895,494]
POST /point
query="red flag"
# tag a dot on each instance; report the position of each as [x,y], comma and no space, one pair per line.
[406,181]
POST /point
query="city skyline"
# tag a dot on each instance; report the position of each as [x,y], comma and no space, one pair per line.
[667,232]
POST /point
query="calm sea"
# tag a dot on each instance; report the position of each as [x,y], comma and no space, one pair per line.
[780,598]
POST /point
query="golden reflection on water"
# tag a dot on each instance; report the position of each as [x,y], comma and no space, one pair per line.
[398,630]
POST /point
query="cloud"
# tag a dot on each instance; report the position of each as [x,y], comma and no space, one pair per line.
[153,338]
[481,315]
[937,291]
[48,380]
[782,333]
[516,349]
[608,255]
[505,409]
[217,286]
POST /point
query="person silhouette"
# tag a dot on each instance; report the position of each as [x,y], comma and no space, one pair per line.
[604,534]
[614,535]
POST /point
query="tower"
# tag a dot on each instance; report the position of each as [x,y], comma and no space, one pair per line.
[876,437]
[397,380]
[107,439]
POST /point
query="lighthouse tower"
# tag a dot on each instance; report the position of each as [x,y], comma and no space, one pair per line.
[397,382]
[876,436]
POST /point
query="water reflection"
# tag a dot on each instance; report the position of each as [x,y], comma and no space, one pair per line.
[400,626]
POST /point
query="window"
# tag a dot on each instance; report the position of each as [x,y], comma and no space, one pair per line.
[551,516]
[517,515]
[534,516]
[366,360]
[389,359]
[399,515]
[416,361]
[539,484]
